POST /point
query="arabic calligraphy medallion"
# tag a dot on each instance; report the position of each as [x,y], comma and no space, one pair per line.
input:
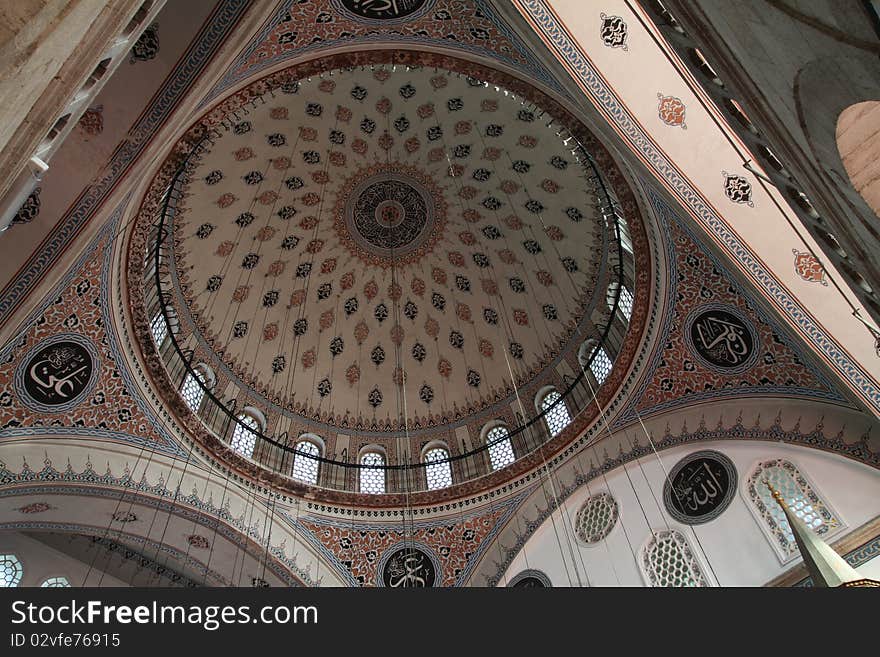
[722,338]
[408,566]
[700,487]
[53,376]
[383,10]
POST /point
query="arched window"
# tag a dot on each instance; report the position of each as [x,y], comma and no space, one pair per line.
[159,328]
[500,448]
[625,238]
[800,497]
[625,304]
[557,416]
[10,571]
[438,469]
[668,561]
[601,365]
[55,582]
[305,468]
[191,391]
[373,478]
[244,436]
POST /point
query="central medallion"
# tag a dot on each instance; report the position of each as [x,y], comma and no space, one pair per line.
[390,213]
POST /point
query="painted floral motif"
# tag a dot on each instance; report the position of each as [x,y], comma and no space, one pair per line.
[36,507]
[198,541]
[270,332]
[268,197]
[297,298]
[738,189]
[226,200]
[353,374]
[808,267]
[361,331]
[147,45]
[671,111]
[308,359]
[613,31]
[92,120]
[241,293]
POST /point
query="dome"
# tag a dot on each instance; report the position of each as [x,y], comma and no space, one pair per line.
[390,250]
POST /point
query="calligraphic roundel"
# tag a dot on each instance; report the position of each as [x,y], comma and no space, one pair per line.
[54,375]
[383,10]
[408,566]
[700,487]
[722,338]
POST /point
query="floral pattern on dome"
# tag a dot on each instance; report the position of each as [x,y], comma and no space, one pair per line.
[368,250]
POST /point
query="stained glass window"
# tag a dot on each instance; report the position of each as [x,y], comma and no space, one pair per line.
[191,391]
[244,436]
[557,417]
[668,561]
[306,468]
[373,478]
[438,475]
[797,493]
[500,448]
[10,571]
[55,582]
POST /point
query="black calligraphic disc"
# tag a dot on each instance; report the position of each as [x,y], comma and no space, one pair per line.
[529,583]
[408,567]
[722,338]
[58,374]
[383,9]
[700,487]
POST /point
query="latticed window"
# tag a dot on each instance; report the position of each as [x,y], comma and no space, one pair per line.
[500,448]
[159,328]
[797,493]
[373,478]
[596,518]
[191,391]
[669,562]
[55,582]
[626,303]
[557,416]
[625,238]
[438,469]
[601,365]
[10,570]
[305,468]
[244,436]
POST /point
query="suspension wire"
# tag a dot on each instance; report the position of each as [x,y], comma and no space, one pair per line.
[544,471]
[672,488]
[623,465]
[166,197]
[404,446]
[579,466]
